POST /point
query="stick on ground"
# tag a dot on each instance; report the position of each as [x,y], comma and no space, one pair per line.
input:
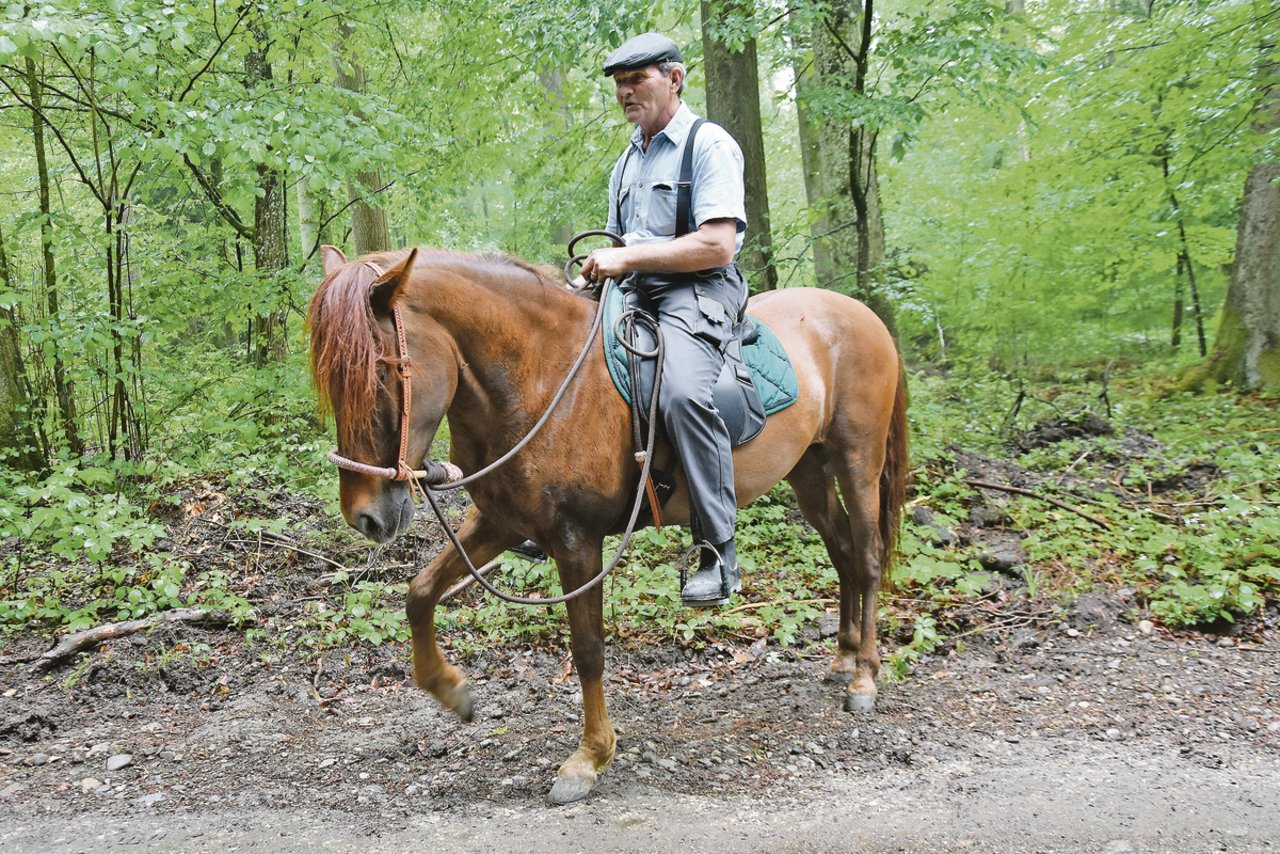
[79,641]
[1017,490]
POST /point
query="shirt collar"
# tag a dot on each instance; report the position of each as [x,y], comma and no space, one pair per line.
[675,131]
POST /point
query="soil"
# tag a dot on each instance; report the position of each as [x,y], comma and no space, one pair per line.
[1045,728]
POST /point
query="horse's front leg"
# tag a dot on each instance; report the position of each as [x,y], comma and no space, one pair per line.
[586,624]
[432,673]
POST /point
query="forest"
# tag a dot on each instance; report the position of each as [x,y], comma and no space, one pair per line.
[1067,212]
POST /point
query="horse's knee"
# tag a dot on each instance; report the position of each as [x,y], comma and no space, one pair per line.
[419,601]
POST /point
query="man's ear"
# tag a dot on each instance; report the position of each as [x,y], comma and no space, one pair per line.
[333,259]
[385,289]
[677,77]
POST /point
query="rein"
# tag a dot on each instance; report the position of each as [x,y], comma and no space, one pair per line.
[440,476]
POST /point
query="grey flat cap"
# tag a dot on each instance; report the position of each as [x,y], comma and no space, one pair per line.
[642,51]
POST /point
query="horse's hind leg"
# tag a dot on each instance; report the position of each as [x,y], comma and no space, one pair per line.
[432,673]
[578,774]
[814,485]
[859,480]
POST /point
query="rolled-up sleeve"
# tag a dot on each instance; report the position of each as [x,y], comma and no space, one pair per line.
[717,179]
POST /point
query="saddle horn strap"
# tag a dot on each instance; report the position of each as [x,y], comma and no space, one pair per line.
[655,507]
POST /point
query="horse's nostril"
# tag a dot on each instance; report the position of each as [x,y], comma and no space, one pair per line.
[369,525]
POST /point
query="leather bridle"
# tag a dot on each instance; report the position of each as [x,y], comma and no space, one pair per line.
[444,476]
[432,473]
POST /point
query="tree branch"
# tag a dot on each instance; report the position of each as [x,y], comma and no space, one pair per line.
[1017,490]
[74,643]
[211,193]
[244,11]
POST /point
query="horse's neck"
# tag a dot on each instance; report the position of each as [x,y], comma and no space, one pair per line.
[515,338]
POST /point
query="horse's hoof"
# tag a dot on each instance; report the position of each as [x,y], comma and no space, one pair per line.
[465,708]
[568,789]
[861,704]
[459,701]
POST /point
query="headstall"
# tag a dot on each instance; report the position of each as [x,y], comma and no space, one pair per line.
[432,473]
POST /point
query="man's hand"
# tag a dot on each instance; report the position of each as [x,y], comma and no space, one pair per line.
[610,263]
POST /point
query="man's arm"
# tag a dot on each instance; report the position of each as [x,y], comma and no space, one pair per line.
[712,245]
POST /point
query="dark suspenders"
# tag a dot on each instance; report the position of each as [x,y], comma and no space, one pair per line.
[684,186]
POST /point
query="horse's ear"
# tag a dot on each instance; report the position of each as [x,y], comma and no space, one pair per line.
[333,259]
[385,288]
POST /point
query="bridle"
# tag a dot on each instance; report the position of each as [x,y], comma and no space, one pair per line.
[437,476]
[432,473]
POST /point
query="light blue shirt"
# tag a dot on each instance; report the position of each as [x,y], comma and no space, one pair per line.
[647,181]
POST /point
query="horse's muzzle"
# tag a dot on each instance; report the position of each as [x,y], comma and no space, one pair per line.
[385,520]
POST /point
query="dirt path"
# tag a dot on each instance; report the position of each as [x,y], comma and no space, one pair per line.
[1041,739]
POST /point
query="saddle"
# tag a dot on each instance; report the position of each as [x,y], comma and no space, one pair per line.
[757,379]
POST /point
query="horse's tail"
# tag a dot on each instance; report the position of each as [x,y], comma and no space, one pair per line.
[893,477]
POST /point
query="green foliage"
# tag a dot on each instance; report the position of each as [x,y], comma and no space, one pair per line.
[1075,206]
[367,612]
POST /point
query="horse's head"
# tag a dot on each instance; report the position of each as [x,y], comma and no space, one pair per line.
[357,373]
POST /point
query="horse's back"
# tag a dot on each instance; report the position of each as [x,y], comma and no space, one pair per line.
[847,369]
[831,334]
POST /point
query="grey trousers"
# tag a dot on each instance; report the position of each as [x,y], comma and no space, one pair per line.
[697,314]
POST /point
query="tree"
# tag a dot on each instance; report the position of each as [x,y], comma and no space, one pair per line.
[19,445]
[368,221]
[63,387]
[842,154]
[733,102]
[1246,351]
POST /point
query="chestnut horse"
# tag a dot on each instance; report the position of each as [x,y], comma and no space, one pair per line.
[490,341]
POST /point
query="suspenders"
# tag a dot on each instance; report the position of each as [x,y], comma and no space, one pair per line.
[684,186]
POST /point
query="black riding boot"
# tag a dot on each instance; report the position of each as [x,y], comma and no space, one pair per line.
[717,577]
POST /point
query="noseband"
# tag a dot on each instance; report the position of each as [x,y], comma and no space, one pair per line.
[432,473]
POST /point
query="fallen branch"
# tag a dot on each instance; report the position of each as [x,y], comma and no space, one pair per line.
[751,606]
[74,643]
[470,580]
[1017,490]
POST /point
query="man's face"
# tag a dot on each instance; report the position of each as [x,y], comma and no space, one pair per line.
[645,94]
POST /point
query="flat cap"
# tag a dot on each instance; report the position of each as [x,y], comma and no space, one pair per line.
[642,51]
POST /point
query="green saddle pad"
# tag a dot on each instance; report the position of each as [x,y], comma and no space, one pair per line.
[770,367]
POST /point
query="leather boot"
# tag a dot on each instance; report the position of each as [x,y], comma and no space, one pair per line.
[717,578]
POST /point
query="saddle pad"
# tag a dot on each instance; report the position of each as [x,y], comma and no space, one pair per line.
[769,364]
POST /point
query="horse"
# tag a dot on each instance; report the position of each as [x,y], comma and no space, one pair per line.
[489,340]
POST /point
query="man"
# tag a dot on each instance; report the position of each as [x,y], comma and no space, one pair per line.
[683,273]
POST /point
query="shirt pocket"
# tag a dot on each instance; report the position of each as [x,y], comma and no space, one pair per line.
[661,217]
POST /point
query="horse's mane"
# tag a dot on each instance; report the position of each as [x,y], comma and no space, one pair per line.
[345,348]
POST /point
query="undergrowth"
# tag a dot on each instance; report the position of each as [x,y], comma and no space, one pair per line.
[1184,493]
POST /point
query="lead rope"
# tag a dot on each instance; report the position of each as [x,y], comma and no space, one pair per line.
[645,458]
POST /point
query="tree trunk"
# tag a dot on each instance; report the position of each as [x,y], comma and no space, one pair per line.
[810,122]
[64,390]
[733,102]
[270,245]
[19,447]
[368,222]
[847,182]
[1246,352]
